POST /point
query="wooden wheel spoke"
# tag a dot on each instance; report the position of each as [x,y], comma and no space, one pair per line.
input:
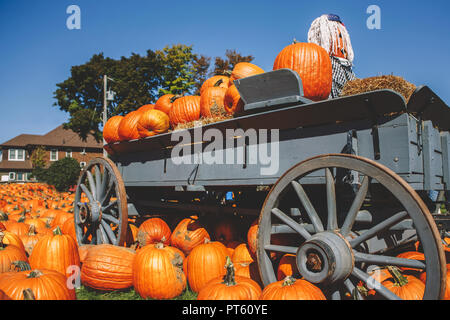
[312,214]
[352,289]
[331,200]
[87,192]
[98,182]
[291,223]
[104,184]
[372,283]
[378,228]
[109,206]
[92,184]
[108,193]
[356,205]
[336,295]
[101,235]
[109,232]
[388,261]
[110,218]
[285,249]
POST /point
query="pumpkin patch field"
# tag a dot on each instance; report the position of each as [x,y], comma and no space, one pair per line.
[186,258]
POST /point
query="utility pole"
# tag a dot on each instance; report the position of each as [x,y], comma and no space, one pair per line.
[105,109]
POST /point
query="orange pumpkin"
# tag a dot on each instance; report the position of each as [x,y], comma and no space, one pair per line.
[185,109]
[232,101]
[212,102]
[157,274]
[146,108]
[9,254]
[13,239]
[407,287]
[55,252]
[45,284]
[313,65]
[164,103]
[248,270]
[204,263]
[128,127]
[252,238]
[230,287]
[287,267]
[225,230]
[108,268]
[152,122]
[30,239]
[153,230]
[111,129]
[244,69]
[215,81]
[292,289]
[241,254]
[188,234]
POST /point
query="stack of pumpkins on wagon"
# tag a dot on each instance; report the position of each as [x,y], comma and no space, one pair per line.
[219,98]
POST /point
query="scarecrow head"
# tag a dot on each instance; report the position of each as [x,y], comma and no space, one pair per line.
[330,33]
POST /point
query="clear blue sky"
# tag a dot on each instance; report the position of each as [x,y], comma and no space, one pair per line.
[37,50]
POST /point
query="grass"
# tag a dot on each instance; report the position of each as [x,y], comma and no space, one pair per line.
[84,293]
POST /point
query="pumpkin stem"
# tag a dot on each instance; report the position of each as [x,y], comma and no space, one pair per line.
[57,231]
[288,281]
[400,280]
[28,294]
[228,278]
[175,97]
[35,274]
[21,265]
[32,230]
[218,83]
[226,73]
[159,245]
[3,216]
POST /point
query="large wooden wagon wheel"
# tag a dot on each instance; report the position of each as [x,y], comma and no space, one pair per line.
[333,248]
[100,210]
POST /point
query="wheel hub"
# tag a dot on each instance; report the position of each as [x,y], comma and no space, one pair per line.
[90,212]
[325,258]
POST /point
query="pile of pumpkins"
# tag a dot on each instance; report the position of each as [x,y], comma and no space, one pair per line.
[219,96]
[40,257]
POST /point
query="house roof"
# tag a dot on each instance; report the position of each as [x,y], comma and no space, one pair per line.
[16,165]
[58,137]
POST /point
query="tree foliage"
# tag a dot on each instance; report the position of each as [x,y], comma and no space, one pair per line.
[38,157]
[232,58]
[137,80]
[62,174]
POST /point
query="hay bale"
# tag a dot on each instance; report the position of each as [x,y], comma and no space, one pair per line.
[395,83]
[202,122]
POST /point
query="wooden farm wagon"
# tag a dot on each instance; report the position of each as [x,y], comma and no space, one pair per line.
[350,189]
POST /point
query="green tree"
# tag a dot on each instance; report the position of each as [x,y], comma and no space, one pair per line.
[179,72]
[62,174]
[226,65]
[136,82]
[38,157]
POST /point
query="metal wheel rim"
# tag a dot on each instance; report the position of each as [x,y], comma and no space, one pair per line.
[115,183]
[417,210]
